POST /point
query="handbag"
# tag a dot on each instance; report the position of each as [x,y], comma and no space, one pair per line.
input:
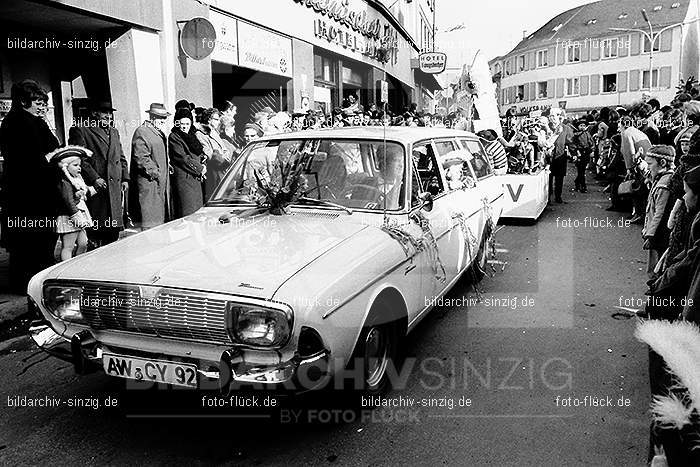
[626,188]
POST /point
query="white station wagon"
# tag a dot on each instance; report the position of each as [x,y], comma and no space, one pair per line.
[318,252]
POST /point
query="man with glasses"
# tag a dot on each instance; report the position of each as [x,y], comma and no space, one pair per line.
[29,188]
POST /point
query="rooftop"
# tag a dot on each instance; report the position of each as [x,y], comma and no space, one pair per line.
[596,19]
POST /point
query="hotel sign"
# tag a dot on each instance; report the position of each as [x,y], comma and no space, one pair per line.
[263,50]
[339,11]
[432,62]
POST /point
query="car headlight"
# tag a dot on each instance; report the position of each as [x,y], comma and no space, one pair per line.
[259,326]
[63,302]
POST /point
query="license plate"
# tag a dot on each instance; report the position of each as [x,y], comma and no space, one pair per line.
[157,371]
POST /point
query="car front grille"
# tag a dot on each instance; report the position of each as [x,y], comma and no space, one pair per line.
[162,312]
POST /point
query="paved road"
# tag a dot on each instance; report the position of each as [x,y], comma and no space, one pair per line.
[546,330]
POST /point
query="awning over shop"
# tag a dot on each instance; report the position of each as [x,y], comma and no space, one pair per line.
[428,80]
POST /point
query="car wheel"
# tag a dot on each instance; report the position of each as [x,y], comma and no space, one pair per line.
[376,352]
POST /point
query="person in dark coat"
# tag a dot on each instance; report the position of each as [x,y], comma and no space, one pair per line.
[107,170]
[186,156]
[150,170]
[28,186]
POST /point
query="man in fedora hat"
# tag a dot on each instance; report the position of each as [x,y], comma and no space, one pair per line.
[150,169]
[107,171]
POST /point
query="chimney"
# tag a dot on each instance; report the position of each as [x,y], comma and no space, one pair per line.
[524,33]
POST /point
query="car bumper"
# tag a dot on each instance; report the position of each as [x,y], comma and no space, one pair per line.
[85,353]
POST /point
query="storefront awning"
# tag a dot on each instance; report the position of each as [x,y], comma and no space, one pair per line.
[426,79]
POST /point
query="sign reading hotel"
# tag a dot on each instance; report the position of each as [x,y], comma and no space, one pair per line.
[353,29]
[432,62]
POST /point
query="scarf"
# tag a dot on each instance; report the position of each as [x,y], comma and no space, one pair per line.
[190,139]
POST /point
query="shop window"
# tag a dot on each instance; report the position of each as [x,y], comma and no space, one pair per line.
[572,87]
[610,47]
[325,69]
[654,79]
[542,59]
[573,53]
[542,90]
[610,82]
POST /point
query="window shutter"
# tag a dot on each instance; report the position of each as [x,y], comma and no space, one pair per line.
[527,62]
[584,84]
[665,77]
[560,87]
[526,92]
[635,46]
[551,55]
[595,51]
[595,84]
[622,81]
[586,51]
[561,55]
[550,88]
[634,80]
[533,91]
[516,64]
[623,46]
[533,60]
[666,40]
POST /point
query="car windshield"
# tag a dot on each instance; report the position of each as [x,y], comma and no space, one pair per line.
[358,174]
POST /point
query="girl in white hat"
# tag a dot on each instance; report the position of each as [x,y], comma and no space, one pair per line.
[74,216]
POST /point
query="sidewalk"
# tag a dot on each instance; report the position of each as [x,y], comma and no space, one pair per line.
[11,306]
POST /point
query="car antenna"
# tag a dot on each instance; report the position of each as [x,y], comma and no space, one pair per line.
[385,215]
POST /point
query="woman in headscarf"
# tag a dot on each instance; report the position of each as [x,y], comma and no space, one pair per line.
[219,153]
[186,158]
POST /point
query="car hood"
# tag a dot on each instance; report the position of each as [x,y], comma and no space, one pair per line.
[251,256]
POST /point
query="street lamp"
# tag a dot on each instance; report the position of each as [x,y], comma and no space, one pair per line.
[651,37]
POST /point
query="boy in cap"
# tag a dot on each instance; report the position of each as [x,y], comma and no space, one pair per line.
[660,159]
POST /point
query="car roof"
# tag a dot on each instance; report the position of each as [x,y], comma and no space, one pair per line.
[394,133]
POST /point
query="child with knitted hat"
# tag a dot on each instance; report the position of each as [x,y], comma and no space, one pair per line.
[660,159]
[74,216]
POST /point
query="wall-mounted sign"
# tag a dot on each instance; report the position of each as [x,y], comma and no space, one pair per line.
[263,50]
[384,91]
[339,10]
[226,50]
[432,62]
[198,38]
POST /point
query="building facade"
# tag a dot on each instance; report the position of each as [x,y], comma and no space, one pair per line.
[283,54]
[600,55]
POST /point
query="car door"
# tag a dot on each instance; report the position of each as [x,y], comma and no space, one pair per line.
[487,182]
[466,206]
[441,261]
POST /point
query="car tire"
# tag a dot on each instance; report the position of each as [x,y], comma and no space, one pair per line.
[377,350]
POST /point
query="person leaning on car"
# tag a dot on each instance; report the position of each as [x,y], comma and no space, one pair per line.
[150,169]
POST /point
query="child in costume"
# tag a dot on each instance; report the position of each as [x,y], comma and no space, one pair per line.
[74,216]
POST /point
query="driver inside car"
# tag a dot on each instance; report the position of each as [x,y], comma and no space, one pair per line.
[390,176]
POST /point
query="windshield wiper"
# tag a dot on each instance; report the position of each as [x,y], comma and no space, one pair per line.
[323,202]
[235,200]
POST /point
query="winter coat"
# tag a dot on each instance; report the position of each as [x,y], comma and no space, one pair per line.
[691,310]
[659,205]
[559,160]
[108,163]
[150,176]
[187,176]
[29,181]
[219,157]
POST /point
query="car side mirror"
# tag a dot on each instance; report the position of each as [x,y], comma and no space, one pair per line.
[426,201]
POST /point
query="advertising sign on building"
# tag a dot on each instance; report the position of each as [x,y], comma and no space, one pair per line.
[263,50]
[432,62]
[384,91]
[226,50]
